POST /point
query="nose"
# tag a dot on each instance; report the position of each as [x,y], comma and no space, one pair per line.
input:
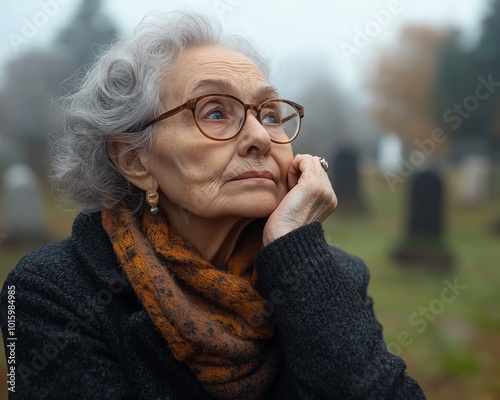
[253,138]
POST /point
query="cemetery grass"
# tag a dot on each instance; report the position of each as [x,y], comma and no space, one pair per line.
[456,355]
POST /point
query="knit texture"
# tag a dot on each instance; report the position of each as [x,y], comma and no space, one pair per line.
[205,314]
[83,334]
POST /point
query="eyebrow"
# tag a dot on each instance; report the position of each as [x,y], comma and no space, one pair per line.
[262,93]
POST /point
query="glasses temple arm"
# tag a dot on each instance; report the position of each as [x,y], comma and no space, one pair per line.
[286,119]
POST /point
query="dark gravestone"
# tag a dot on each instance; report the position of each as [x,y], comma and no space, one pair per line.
[426,205]
[494,194]
[424,244]
[346,182]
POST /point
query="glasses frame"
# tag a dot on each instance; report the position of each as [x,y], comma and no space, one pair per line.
[191,105]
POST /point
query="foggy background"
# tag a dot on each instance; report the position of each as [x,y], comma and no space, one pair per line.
[401,87]
[354,60]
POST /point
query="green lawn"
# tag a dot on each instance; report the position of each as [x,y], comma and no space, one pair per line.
[451,344]
[452,349]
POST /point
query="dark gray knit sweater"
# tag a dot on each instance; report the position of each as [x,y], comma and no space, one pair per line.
[82,334]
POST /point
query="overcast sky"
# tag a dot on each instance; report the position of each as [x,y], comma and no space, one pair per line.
[288,31]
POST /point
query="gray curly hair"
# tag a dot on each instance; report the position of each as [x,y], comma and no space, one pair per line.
[119,94]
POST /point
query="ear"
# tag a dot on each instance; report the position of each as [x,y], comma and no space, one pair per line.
[132,165]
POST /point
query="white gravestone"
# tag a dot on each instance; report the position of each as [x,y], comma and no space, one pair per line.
[389,153]
[472,187]
[23,216]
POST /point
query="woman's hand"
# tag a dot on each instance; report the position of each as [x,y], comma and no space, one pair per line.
[311,198]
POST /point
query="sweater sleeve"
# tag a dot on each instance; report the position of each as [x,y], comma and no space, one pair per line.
[57,350]
[332,342]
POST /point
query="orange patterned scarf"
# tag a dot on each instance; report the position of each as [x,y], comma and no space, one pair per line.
[214,321]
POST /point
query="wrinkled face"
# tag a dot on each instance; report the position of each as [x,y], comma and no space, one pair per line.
[242,177]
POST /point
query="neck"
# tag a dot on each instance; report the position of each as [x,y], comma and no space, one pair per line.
[215,239]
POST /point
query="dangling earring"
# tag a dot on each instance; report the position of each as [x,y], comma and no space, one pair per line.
[152,198]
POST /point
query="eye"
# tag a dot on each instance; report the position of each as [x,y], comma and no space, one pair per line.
[270,114]
[216,114]
[270,120]
[214,108]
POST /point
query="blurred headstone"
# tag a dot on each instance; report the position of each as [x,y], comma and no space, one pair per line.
[423,245]
[389,153]
[24,224]
[346,182]
[472,186]
[494,193]
[495,226]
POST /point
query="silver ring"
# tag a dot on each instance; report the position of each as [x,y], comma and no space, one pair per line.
[324,164]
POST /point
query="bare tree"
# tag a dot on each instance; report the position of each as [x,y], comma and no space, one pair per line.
[35,81]
[32,85]
[403,84]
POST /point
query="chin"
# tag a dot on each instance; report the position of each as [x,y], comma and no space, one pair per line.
[256,208]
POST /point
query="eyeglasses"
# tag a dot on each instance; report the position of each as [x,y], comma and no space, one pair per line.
[221,116]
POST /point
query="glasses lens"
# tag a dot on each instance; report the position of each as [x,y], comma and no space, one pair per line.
[219,117]
[281,120]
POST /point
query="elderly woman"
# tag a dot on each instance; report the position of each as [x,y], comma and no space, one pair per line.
[199,267]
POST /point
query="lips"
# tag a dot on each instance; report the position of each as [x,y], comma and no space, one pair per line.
[255,175]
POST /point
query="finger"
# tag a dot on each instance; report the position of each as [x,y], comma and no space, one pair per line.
[295,170]
[319,164]
[303,163]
